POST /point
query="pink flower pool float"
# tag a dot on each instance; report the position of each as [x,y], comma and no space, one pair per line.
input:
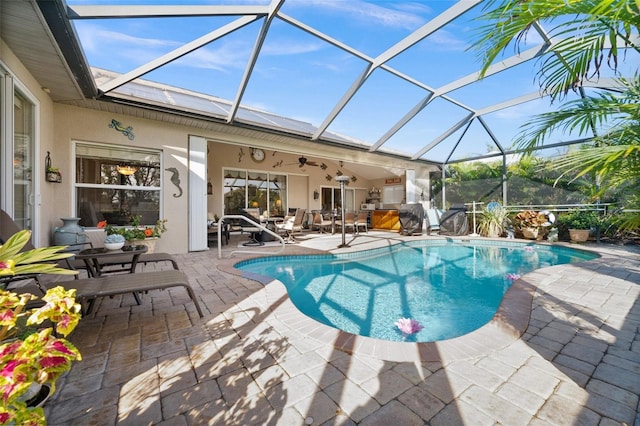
[408,326]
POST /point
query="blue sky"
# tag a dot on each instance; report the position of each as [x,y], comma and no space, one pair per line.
[300,76]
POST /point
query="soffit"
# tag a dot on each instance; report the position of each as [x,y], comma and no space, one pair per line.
[23,29]
[365,165]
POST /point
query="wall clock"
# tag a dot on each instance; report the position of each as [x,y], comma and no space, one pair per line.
[257,155]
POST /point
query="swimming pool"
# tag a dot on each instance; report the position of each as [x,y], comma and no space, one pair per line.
[450,287]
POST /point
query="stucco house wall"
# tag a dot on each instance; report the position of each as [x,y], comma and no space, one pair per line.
[44,195]
[84,125]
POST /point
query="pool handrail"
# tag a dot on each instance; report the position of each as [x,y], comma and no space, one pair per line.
[253,223]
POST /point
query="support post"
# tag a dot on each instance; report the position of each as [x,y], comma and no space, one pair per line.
[342,179]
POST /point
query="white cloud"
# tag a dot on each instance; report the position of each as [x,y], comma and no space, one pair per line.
[95,37]
[218,56]
[368,12]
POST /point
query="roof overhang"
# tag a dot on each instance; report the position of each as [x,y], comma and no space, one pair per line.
[42,39]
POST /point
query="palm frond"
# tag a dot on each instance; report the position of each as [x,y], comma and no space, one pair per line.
[605,161]
[618,112]
[583,32]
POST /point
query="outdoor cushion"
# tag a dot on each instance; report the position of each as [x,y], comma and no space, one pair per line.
[110,285]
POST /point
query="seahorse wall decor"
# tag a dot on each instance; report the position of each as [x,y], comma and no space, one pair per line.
[127,131]
[175,179]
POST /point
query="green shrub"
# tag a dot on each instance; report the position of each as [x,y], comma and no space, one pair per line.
[579,219]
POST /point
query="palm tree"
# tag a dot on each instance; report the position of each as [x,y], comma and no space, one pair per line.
[591,35]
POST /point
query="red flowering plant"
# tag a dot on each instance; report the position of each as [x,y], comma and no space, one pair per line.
[29,353]
[138,232]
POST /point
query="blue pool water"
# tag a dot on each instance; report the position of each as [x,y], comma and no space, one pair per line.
[451,288]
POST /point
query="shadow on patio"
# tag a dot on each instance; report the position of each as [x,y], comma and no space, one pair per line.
[256,360]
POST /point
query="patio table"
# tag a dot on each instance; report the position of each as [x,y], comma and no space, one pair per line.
[93,257]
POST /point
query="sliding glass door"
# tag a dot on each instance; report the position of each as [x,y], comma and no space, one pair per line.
[247,189]
[17,154]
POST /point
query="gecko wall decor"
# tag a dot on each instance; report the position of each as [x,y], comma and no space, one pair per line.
[126,131]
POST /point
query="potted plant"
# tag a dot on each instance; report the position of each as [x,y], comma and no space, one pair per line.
[32,357]
[114,242]
[53,175]
[579,223]
[136,234]
[493,220]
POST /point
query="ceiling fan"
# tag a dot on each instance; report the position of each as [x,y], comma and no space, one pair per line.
[302,161]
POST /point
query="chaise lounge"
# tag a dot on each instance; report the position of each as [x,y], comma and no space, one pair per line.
[87,289]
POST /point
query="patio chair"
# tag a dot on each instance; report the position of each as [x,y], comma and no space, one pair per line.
[362,221]
[8,227]
[254,231]
[433,216]
[349,221]
[292,225]
[320,223]
[212,233]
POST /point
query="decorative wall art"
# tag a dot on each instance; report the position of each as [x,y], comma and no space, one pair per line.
[175,179]
[126,131]
[339,172]
[52,174]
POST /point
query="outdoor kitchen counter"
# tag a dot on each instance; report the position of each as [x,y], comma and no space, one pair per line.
[385,219]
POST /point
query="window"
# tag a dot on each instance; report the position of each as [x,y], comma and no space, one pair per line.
[115,184]
[244,189]
[332,198]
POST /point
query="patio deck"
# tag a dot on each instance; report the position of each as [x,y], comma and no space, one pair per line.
[255,360]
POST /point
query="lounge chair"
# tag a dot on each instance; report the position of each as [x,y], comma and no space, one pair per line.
[144,259]
[87,289]
[433,216]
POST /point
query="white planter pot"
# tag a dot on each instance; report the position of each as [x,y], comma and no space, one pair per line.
[36,395]
[149,242]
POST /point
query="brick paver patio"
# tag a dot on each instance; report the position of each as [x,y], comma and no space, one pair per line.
[255,360]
